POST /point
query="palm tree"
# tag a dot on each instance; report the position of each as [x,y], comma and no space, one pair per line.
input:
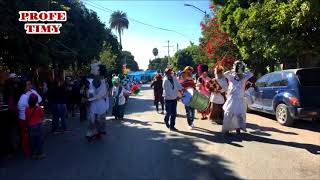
[119,22]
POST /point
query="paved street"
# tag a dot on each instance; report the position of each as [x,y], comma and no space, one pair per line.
[141,147]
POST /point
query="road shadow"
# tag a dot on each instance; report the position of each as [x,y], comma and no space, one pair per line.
[299,123]
[131,150]
[233,139]
[138,105]
[261,130]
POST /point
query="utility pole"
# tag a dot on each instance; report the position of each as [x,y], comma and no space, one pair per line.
[168,51]
[177,47]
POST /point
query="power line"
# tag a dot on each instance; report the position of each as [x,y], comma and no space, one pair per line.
[134,20]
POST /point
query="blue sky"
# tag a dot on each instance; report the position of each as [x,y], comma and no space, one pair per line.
[140,39]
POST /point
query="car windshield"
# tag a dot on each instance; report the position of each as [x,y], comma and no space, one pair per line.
[309,77]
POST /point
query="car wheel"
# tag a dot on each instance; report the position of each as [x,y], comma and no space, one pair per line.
[283,115]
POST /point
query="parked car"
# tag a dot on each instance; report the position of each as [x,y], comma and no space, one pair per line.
[288,94]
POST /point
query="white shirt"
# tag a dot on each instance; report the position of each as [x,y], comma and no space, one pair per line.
[23,103]
[170,92]
[216,98]
[99,103]
[235,96]
[122,99]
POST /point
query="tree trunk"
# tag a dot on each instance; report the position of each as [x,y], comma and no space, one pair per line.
[120,40]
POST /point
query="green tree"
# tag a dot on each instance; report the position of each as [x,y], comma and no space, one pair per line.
[128,58]
[119,22]
[183,58]
[158,64]
[269,32]
[81,40]
[190,56]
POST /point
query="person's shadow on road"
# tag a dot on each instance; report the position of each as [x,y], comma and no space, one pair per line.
[218,137]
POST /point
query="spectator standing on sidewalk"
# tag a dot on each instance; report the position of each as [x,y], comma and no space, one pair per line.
[171,86]
[12,91]
[57,99]
[84,87]
[34,116]
[22,105]
[158,91]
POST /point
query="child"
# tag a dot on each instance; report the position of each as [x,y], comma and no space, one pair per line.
[34,115]
[118,94]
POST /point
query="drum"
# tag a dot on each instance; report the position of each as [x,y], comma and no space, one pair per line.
[195,100]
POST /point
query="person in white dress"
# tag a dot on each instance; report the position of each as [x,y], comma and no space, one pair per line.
[234,107]
[98,102]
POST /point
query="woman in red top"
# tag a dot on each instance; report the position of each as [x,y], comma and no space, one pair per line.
[34,116]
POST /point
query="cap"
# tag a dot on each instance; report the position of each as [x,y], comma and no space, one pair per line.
[168,70]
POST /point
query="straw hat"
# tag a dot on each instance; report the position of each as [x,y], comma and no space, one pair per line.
[188,68]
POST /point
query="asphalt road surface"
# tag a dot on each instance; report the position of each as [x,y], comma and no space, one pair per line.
[141,147]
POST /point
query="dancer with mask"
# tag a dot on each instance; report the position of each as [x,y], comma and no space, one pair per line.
[98,102]
[234,107]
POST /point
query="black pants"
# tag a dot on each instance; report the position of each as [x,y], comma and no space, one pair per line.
[157,105]
[171,109]
[83,111]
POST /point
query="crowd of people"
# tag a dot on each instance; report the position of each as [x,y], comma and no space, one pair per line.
[25,102]
[222,96]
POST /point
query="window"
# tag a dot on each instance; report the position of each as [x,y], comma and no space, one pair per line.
[274,80]
[278,79]
[284,80]
[262,82]
[309,77]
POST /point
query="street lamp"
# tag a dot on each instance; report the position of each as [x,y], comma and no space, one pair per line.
[190,5]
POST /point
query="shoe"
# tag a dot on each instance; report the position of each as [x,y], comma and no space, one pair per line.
[238,131]
[162,112]
[174,129]
[227,133]
[167,124]
[191,127]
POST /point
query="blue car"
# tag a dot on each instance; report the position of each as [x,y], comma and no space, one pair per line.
[289,95]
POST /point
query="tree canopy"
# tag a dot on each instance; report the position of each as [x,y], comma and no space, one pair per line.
[190,56]
[119,22]
[268,32]
[83,36]
[128,58]
[158,64]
